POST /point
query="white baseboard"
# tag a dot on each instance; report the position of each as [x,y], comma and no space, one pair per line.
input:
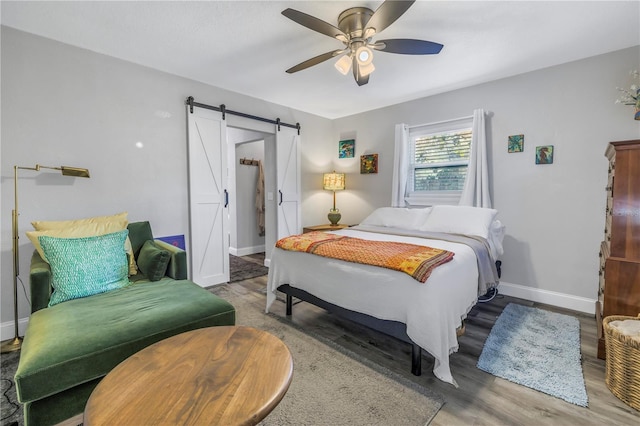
[246,251]
[562,300]
[7,331]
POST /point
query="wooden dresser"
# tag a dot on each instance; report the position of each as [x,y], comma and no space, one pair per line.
[619,289]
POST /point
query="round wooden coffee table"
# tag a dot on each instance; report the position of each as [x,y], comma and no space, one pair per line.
[231,375]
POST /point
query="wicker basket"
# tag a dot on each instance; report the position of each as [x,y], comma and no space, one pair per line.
[623,362]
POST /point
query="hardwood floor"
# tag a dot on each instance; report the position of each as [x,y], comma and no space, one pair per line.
[481,399]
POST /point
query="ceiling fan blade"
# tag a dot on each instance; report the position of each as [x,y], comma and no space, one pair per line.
[360,79]
[315,24]
[407,46]
[314,61]
[387,14]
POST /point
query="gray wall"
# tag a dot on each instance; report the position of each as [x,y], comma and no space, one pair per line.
[554,214]
[67,106]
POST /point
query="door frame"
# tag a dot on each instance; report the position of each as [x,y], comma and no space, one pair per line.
[269,167]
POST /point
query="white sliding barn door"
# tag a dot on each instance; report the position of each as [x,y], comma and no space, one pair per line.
[208,197]
[288,182]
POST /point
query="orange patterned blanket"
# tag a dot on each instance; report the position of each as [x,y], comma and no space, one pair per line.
[417,261]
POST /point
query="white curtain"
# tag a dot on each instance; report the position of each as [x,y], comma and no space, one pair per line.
[476,186]
[400,166]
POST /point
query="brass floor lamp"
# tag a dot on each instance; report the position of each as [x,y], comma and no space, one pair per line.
[15,343]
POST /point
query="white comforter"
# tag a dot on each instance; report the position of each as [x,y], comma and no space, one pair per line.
[432,310]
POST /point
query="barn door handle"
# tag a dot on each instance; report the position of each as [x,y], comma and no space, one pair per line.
[226,198]
[280,203]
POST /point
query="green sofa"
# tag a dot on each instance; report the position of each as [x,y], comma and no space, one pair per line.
[69,347]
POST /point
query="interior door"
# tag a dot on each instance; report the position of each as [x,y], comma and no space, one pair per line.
[288,182]
[208,197]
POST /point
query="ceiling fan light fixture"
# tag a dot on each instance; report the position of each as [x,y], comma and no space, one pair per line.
[368,33]
[365,70]
[343,64]
[364,56]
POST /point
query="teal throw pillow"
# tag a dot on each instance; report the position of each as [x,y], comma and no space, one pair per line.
[82,267]
[153,261]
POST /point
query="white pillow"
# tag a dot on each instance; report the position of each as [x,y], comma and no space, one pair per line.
[460,220]
[397,217]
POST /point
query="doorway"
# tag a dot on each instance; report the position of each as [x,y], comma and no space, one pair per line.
[247,201]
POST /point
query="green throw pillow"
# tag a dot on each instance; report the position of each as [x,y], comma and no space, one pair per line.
[153,261]
[81,267]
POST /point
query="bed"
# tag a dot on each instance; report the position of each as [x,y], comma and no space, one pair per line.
[427,314]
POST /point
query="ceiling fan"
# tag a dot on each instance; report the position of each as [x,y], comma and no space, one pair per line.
[356,28]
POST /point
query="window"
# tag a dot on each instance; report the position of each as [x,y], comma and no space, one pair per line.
[438,162]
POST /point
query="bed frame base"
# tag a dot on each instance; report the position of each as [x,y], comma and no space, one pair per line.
[392,328]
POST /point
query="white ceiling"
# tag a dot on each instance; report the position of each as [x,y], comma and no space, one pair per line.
[246,46]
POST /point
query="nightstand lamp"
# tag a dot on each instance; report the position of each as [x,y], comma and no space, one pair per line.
[333,182]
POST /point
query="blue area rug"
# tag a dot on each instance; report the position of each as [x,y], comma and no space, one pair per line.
[538,349]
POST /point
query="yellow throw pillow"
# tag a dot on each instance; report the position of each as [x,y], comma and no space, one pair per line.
[88,230]
[97,222]
[43,225]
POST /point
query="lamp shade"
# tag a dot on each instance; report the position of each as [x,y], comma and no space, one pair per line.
[364,55]
[74,171]
[365,70]
[343,64]
[333,181]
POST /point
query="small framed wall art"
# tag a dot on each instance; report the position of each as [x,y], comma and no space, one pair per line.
[346,148]
[516,143]
[368,164]
[544,154]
